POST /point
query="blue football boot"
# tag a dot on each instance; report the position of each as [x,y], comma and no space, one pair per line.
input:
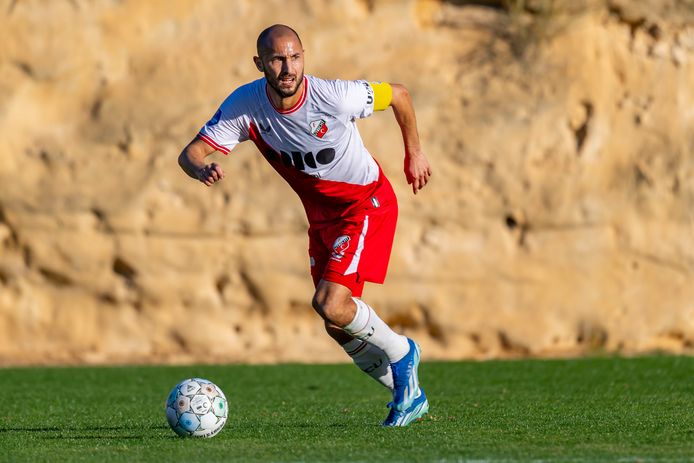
[405,381]
[419,408]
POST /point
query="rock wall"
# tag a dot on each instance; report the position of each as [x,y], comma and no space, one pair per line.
[559,221]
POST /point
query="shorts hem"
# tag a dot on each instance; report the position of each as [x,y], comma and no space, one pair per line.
[353,282]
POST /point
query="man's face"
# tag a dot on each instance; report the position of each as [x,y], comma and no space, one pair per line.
[282,62]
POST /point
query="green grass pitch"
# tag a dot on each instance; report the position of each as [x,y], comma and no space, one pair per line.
[598,409]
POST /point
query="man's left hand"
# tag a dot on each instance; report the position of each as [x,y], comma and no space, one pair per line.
[417,169]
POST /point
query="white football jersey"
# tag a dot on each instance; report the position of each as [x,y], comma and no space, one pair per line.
[314,145]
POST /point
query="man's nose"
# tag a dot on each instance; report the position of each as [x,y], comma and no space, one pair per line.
[285,65]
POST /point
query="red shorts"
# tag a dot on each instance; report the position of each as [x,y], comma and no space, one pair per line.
[356,249]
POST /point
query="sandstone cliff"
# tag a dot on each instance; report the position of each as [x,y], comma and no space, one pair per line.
[560,219]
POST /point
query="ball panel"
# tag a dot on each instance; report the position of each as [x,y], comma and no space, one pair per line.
[208,421]
[219,407]
[210,390]
[218,427]
[189,387]
[171,416]
[213,431]
[172,397]
[200,404]
[182,404]
[189,421]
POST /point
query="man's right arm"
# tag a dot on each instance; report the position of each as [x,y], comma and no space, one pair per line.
[192,161]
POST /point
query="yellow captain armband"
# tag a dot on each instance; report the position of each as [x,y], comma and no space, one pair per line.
[383,95]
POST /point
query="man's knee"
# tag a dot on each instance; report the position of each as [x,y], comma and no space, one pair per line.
[335,307]
[327,305]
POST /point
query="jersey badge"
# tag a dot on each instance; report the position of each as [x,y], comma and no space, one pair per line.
[319,128]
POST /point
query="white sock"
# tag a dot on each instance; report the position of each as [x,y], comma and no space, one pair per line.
[371,360]
[368,327]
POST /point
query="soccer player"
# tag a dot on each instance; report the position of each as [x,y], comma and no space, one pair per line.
[305,128]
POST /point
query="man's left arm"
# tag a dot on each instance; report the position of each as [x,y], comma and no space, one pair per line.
[417,168]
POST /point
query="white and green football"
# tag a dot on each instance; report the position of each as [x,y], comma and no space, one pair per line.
[196,407]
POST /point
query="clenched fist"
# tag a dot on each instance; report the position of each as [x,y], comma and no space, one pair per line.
[210,174]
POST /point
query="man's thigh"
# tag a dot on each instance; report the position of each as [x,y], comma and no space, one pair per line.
[354,250]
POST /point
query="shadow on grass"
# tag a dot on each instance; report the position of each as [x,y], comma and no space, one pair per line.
[83,432]
[147,432]
[304,425]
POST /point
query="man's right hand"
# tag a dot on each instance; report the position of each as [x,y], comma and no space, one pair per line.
[210,174]
[192,161]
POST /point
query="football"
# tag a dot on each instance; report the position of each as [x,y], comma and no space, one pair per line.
[196,407]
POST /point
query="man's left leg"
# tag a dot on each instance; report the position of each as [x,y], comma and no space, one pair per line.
[349,253]
[334,302]
[369,358]
[374,362]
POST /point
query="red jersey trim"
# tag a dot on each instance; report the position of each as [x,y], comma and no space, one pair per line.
[213,143]
[298,104]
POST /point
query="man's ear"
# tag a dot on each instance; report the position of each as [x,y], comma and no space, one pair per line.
[258,63]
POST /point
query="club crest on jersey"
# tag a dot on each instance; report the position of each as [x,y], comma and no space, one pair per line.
[339,247]
[318,128]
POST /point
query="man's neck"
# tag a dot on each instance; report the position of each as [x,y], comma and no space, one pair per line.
[289,102]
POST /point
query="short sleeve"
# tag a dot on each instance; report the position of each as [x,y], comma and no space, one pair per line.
[356,98]
[226,128]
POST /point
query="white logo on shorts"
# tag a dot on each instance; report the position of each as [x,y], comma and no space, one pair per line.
[340,245]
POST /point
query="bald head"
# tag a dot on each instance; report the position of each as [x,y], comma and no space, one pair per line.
[281,59]
[269,37]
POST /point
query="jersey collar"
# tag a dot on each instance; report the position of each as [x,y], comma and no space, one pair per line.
[293,108]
